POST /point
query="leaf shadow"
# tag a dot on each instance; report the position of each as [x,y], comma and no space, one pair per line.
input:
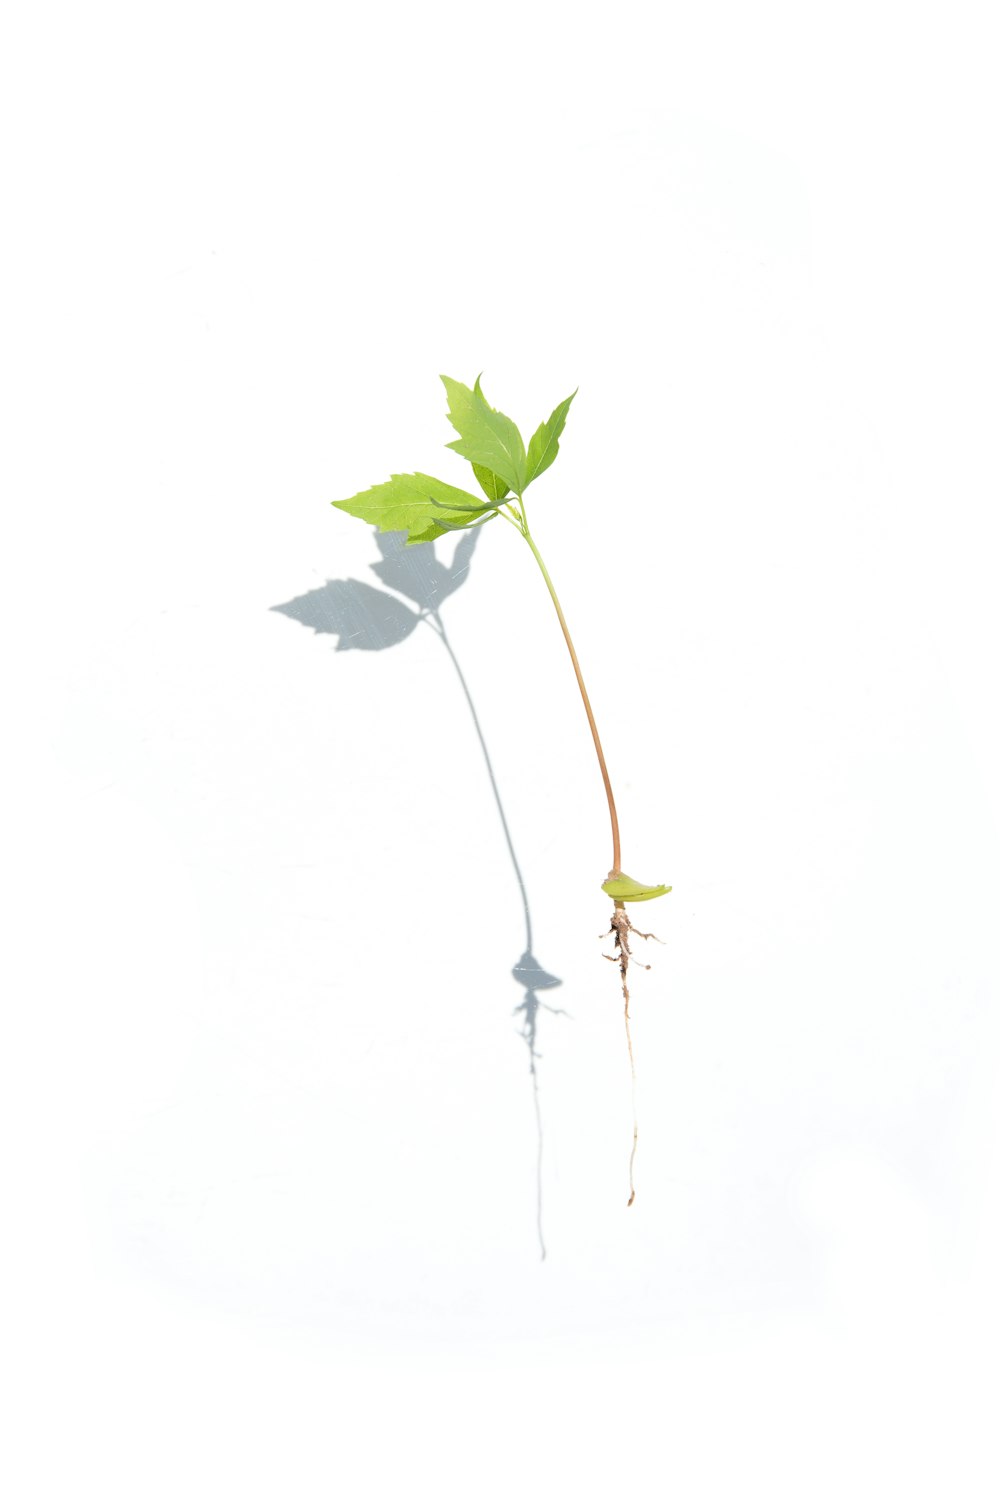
[363,617]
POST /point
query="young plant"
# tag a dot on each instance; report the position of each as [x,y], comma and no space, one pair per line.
[426,508]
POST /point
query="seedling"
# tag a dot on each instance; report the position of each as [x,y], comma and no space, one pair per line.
[426,508]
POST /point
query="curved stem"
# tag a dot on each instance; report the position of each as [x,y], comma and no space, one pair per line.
[616,855]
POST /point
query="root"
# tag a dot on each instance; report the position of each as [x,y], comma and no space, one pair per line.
[621,930]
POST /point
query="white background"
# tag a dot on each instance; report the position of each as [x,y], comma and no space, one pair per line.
[270,1143]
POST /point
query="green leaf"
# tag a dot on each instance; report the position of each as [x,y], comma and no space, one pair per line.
[485,436]
[414,502]
[492,487]
[621,887]
[544,445]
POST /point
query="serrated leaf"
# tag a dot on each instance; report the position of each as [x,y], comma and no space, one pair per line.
[544,445]
[485,436]
[622,887]
[492,485]
[422,506]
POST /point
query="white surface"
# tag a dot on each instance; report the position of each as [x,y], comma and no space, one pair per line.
[268,1121]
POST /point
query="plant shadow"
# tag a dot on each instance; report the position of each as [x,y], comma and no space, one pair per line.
[363,617]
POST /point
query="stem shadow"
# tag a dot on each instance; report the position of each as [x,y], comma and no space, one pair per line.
[363,617]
